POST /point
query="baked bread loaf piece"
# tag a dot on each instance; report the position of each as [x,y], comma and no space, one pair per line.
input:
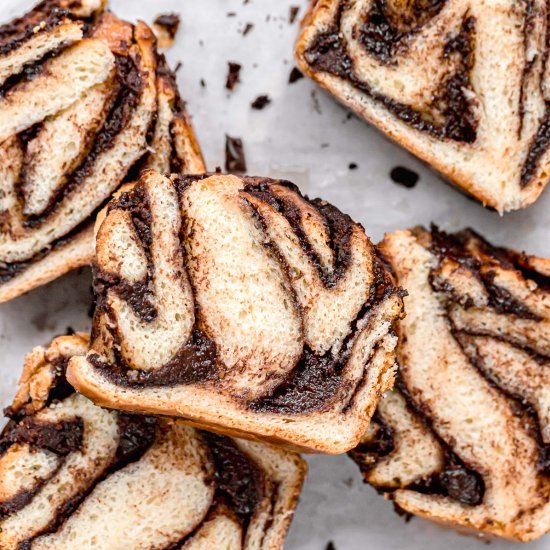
[461,84]
[73,475]
[464,438]
[85,102]
[242,307]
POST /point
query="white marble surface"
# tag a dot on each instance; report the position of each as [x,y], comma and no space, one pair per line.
[286,139]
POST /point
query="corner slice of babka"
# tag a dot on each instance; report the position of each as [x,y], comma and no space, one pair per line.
[464,438]
[73,475]
[243,307]
[461,84]
[86,101]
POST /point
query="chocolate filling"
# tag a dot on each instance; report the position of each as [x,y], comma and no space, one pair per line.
[445,245]
[537,149]
[314,382]
[328,53]
[130,80]
[239,481]
[195,363]
[14,34]
[456,480]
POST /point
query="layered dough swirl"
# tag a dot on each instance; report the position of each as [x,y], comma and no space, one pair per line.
[465,436]
[242,306]
[75,475]
[85,102]
[462,84]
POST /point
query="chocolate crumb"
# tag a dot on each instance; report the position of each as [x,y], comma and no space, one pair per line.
[295,75]
[325,145]
[260,102]
[403,176]
[233,75]
[352,166]
[234,155]
[248,27]
[231,14]
[293,14]
[170,22]
[203,83]
[330,546]
[178,66]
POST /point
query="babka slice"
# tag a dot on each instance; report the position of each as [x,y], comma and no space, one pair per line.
[73,475]
[242,307]
[85,102]
[461,84]
[465,436]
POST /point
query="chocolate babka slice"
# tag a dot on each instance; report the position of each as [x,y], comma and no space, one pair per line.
[465,436]
[85,102]
[73,475]
[242,307]
[461,84]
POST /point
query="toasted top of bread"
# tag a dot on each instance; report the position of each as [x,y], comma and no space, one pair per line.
[75,475]
[239,304]
[461,84]
[465,436]
[78,116]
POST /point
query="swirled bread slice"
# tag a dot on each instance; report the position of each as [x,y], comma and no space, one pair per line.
[73,475]
[465,436]
[462,84]
[243,307]
[78,116]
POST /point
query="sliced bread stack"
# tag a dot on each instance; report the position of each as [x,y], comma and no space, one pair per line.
[86,101]
[73,475]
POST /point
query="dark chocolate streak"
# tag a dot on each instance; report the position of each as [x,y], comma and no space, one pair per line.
[456,480]
[520,405]
[239,481]
[452,246]
[61,439]
[137,434]
[46,14]
[131,86]
[194,363]
[328,54]
[537,148]
[314,382]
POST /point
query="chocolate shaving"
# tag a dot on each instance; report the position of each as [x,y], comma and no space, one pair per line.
[405,177]
[260,102]
[233,75]
[234,155]
[295,75]
[293,14]
[170,22]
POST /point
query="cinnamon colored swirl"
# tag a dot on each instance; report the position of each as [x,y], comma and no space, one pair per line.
[464,438]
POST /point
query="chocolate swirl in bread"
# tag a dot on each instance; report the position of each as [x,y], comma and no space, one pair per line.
[85,103]
[72,474]
[465,436]
[460,83]
[242,306]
